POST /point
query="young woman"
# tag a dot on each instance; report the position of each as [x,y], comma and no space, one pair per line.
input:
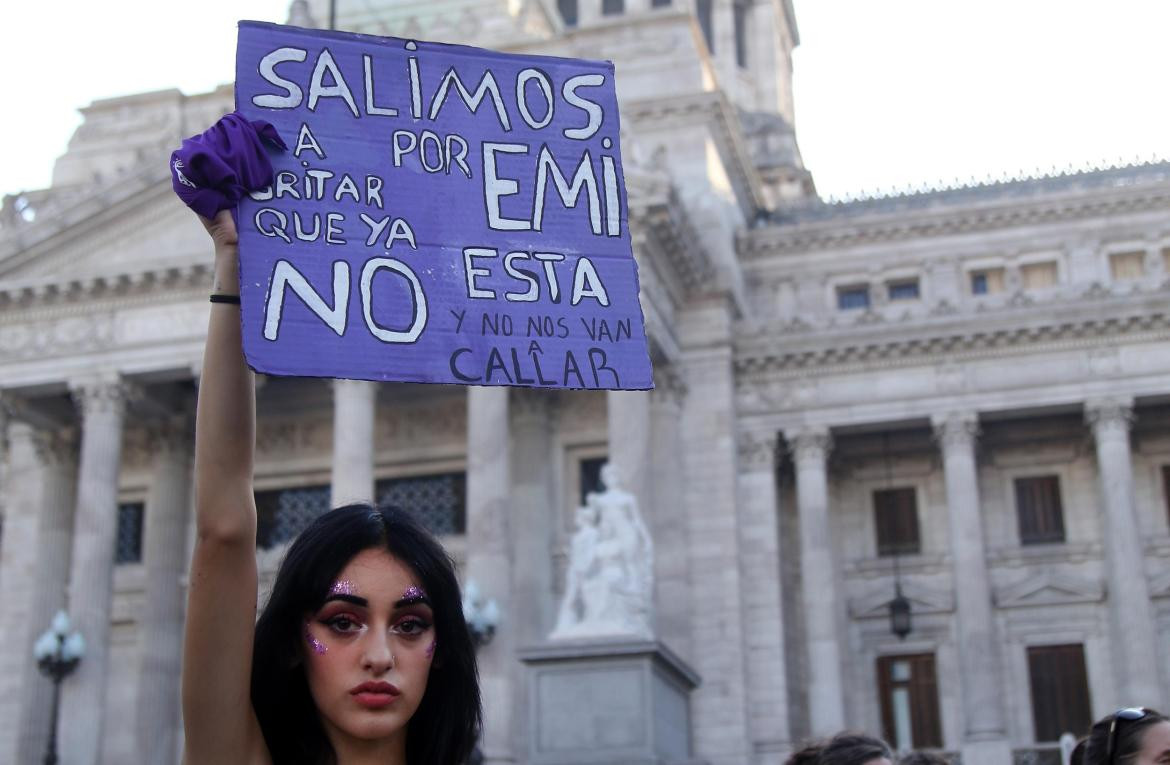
[1135,736]
[361,654]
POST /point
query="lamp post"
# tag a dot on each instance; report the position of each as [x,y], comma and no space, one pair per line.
[58,652]
[483,616]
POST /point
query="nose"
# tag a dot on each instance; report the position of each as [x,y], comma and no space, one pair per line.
[377,656]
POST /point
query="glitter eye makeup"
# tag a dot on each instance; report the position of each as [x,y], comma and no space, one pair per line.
[342,587]
[317,646]
[431,649]
[413,593]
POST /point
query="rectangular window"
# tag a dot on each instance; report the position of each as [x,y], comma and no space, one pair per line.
[612,7]
[909,700]
[281,514]
[659,3]
[1036,276]
[739,11]
[1127,266]
[1060,691]
[903,290]
[129,540]
[853,297]
[896,520]
[568,9]
[589,470]
[1166,260]
[1039,510]
[987,281]
[439,501]
[704,9]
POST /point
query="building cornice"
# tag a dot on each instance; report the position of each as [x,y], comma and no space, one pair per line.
[972,217]
[1078,323]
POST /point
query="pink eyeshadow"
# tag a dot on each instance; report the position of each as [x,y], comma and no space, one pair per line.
[317,646]
[342,587]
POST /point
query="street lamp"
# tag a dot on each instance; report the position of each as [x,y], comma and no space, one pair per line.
[58,652]
[482,616]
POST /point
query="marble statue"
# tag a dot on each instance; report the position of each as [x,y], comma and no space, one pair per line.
[609,584]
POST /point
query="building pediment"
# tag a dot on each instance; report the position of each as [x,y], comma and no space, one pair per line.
[1049,590]
[133,229]
[875,602]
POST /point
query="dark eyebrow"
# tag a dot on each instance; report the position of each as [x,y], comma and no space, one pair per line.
[413,601]
[348,599]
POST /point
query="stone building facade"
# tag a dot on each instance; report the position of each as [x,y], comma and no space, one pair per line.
[962,396]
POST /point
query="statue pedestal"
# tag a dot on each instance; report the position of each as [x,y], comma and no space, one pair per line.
[612,701]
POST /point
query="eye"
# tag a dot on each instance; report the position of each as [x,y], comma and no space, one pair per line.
[411,626]
[343,623]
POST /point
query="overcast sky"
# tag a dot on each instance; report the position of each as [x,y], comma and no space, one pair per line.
[890,93]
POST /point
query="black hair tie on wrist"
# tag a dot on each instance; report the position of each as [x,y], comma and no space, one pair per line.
[218,297]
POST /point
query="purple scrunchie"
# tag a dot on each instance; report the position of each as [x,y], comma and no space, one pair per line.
[213,171]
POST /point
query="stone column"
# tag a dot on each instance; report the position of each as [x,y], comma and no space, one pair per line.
[1134,641]
[763,618]
[83,694]
[818,578]
[354,403]
[57,454]
[165,562]
[534,511]
[984,723]
[672,570]
[489,558]
[34,564]
[628,414]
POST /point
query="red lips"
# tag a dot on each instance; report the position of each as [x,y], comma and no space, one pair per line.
[375,695]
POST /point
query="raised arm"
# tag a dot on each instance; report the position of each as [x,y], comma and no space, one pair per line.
[219,723]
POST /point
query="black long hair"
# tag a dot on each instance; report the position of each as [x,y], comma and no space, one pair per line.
[1128,735]
[445,727]
[850,748]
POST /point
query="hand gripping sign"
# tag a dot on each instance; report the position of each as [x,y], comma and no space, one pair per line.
[443,214]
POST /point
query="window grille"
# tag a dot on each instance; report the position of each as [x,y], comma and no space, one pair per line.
[909,701]
[1039,510]
[612,7]
[852,298]
[896,521]
[283,513]
[1060,691]
[1127,266]
[128,548]
[438,501]
[903,290]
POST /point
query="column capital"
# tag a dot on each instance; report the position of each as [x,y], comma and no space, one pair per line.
[758,450]
[102,394]
[171,434]
[669,386]
[955,429]
[809,442]
[1109,415]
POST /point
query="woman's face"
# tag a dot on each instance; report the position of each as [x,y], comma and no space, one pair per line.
[1155,745]
[368,650]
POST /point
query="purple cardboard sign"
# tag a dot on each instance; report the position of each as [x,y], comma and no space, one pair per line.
[443,214]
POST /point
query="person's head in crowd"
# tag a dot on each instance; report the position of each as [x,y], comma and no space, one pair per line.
[855,749]
[806,755]
[1134,736]
[311,661]
[1078,753]
[923,758]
